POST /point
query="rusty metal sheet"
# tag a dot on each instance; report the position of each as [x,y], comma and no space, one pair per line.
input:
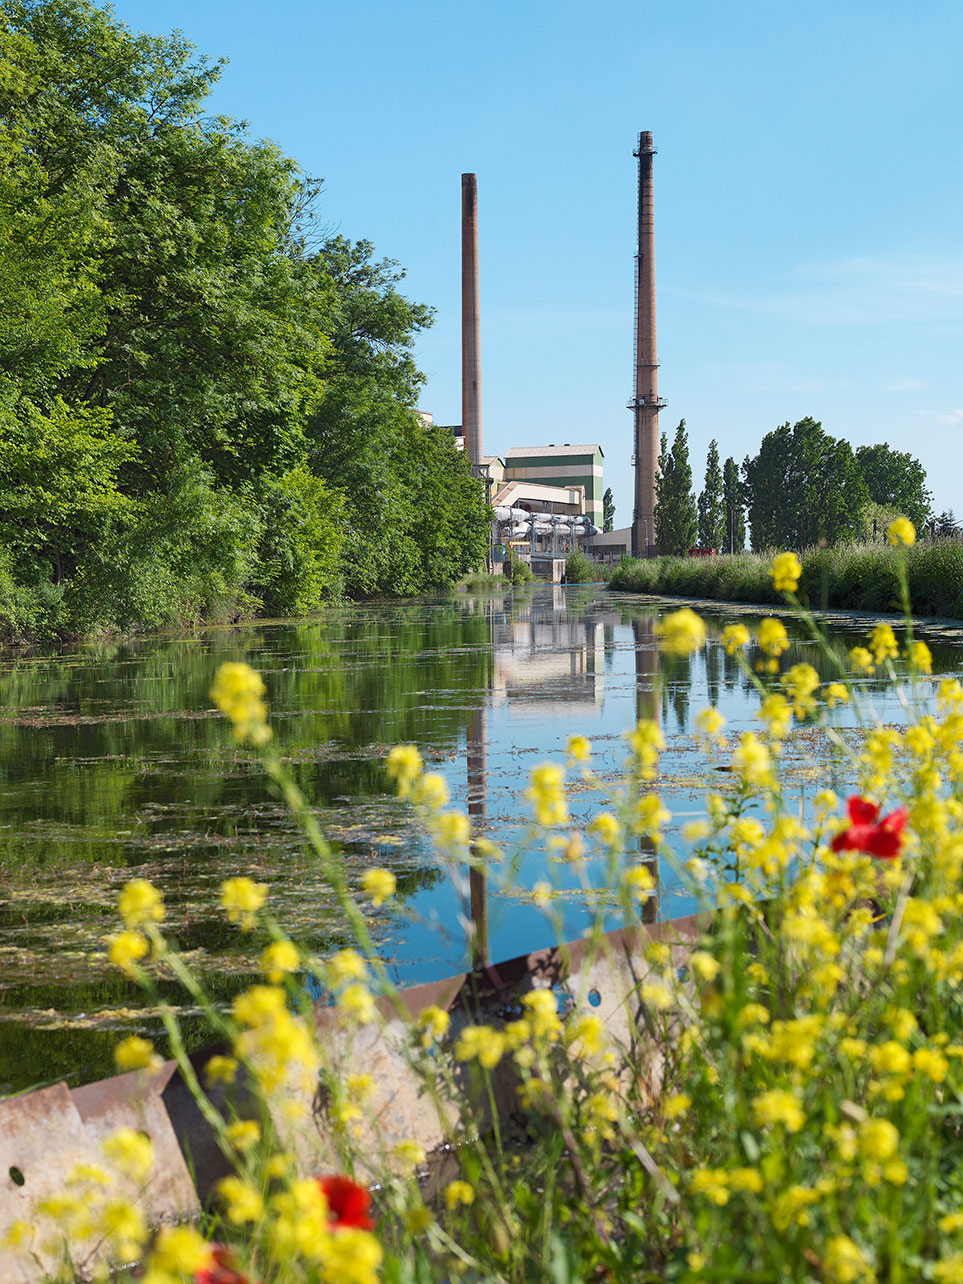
[46,1133]
[136,1101]
[42,1138]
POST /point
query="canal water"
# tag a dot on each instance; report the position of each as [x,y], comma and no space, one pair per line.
[113,765]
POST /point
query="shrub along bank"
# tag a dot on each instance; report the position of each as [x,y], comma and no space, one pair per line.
[849,576]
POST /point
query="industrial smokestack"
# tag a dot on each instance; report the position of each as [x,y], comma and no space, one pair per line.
[471,410]
[646,404]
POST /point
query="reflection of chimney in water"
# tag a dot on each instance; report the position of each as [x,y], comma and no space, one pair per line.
[647,710]
[477,812]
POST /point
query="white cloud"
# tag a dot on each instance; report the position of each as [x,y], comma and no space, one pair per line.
[906,288]
[951,419]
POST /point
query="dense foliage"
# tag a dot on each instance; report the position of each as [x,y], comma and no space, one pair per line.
[805,487]
[734,540]
[711,504]
[203,408]
[848,576]
[676,521]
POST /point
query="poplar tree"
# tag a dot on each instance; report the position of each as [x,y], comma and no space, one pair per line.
[711,511]
[734,539]
[608,509]
[676,522]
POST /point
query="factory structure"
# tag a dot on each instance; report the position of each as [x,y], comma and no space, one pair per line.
[547,499]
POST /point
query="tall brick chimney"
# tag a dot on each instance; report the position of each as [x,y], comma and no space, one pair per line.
[646,403]
[471,406]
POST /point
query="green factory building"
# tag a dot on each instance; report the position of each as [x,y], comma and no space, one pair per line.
[565,465]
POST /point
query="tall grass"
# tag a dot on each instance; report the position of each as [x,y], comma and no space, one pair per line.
[850,576]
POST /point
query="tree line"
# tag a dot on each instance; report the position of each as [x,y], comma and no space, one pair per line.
[206,404]
[803,488]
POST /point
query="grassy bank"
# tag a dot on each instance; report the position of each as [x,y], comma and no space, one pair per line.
[851,576]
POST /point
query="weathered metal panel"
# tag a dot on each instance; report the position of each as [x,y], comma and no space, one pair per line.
[44,1134]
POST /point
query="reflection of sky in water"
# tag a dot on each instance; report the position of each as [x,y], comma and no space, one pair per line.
[594,675]
[113,765]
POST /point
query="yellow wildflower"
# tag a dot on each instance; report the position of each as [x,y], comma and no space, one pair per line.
[845,1262]
[605,828]
[136,1053]
[801,681]
[220,1070]
[131,1152]
[785,571]
[408,1155]
[836,693]
[546,792]
[773,638]
[578,749]
[459,1192]
[480,1043]
[705,966]
[752,761]
[919,656]
[140,902]
[242,1201]
[242,898]
[278,959]
[178,1251]
[709,723]
[238,692]
[676,1105]
[901,531]
[356,1002]
[860,660]
[657,995]
[451,829]
[734,637]
[681,632]
[125,948]
[345,965]
[711,1182]
[779,1106]
[541,1008]
[433,1023]
[431,791]
[378,884]
[776,712]
[404,766]
[243,1133]
[878,1139]
[931,1063]
[882,643]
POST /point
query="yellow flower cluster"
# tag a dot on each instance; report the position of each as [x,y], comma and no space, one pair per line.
[238,692]
[785,571]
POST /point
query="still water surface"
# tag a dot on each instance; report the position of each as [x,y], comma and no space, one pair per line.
[113,765]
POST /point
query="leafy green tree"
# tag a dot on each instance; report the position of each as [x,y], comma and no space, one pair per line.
[608,509]
[895,480]
[675,506]
[202,408]
[711,509]
[415,517]
[803,487]
[947,527]
[734,538]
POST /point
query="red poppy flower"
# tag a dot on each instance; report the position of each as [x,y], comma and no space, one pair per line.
[220,1269]
[866,833]
[348,1203]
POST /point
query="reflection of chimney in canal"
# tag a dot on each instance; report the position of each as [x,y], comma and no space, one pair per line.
[647,709]
[477,812]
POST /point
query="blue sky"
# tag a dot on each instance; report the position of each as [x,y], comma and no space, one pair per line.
[808,201]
